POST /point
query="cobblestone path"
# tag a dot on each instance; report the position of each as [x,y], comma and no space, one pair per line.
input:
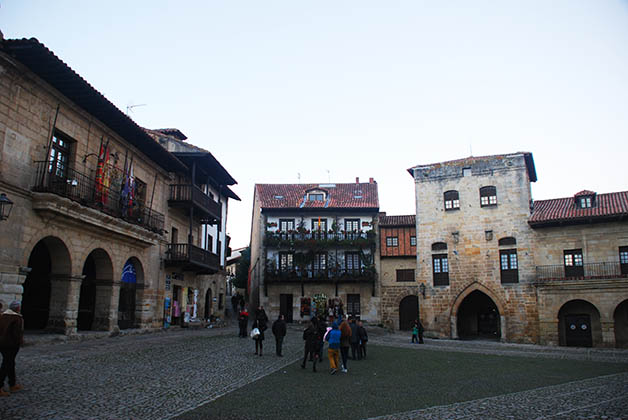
[162,375]
[150,376]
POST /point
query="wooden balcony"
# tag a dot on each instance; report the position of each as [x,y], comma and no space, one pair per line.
[188,195]
[320,240]
[192,258]
[83,189]
[363,275]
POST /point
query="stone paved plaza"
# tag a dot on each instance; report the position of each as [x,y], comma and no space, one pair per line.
[162,375]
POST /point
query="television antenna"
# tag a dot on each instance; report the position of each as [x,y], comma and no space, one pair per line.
[129,108]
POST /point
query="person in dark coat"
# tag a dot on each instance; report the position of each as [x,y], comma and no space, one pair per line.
[322,329]
[345,343]
[11,339]
[260,314]
[364,338]
[355,340]
[312,345]
[243,322]
[279,331]
[421,330]
[259,340]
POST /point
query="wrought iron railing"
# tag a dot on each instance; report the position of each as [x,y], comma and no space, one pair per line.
[598,270]
[363,274]
[318,239]
[84,189]
[191,254]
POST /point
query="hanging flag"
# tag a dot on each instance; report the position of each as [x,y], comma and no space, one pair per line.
[99,170]
[131,196]
[124,192]
[105,175]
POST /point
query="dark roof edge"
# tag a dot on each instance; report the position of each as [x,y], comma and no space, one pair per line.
[578,221]
[43,62]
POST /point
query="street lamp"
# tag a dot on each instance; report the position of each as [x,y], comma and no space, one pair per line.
[5,206]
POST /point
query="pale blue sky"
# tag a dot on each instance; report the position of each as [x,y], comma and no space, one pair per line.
[359,88]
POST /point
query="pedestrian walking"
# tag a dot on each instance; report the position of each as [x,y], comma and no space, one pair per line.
[11,339]
[279,331]
[235,302]
[330,314]
[345,343]
[415,332]
[311,345]
[322,330]
[333,338]
[355,340]
[364,338]
[259,338]
[420,330]
[243,322]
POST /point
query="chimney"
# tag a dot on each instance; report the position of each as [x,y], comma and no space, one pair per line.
[371,181]
[357,179]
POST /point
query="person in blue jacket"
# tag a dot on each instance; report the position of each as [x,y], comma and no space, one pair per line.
[333,338]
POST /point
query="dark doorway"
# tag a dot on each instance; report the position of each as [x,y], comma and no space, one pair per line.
[478,317]
[285,306]
[208,304]
[37,287]
[87,299]
[578,331]
[408,312]
[126,305]
[621,325]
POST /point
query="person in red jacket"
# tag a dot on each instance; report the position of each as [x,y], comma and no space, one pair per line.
[11,338]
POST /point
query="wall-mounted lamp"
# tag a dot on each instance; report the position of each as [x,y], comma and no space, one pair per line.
[488,234]
[5,206]
[422,289]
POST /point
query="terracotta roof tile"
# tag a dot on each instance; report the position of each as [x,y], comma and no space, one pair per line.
[293,196]
[564,210]
[409,220]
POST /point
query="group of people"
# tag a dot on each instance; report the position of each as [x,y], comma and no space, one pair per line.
[11,339]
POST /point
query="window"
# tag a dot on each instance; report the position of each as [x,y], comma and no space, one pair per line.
[209,246]
[488,196]
[507,241]
[509,266]
[174,235]
[315,197]
[353,305]
[59,155]
[413,240]
[286,225]
[452,200]
[623,259]
[392,241]
[440,269]
[352,227]
[319,228]
[286,261]
[585,202]
[352,262]
[574,263]
[318,267]
[405,275]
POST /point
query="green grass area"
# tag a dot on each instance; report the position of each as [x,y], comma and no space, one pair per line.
[393,380]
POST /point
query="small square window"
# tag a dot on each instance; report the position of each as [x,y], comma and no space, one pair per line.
[488,196]
[412,240]
[392,241]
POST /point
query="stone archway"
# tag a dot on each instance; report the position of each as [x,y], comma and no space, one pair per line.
[96,292]
[48,287]
[478,317]
[408,312]
[620,318]
[491,305]
[579,324]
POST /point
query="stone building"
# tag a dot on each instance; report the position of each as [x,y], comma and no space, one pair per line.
[313,246]
[475,247]
[581,258]
[397,267]
[91,241]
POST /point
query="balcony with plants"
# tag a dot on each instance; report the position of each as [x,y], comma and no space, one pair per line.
[302,238]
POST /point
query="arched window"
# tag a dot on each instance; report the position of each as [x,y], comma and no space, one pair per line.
[507,241]
[452,200]
[488,196]
[439,246]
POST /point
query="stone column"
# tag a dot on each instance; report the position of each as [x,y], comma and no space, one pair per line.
[64,303]
[102,308]
[12,284]
[144,309]
[502,326]
[454,326]
[548,333]
[114,302]
[608,333]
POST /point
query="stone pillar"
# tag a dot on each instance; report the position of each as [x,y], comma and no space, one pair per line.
[114,303]
[454,326]
[502,326]
[144,310]
[12,284]
[608,333]
[64,303]
[102,308]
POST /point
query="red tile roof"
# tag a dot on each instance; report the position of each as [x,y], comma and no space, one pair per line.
[584,192]
[293,196]
[409,220]
[611,206]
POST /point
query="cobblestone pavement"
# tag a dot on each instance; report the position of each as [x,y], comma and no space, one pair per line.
[149,376]
[161,375]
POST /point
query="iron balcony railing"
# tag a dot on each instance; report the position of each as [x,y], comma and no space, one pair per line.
[323,276]
[598,270]
[192,257]
[188,194]
[68,183]
[318,239]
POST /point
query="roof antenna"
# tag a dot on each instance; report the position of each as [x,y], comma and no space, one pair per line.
[129,108]
[328,176]
[299,176]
